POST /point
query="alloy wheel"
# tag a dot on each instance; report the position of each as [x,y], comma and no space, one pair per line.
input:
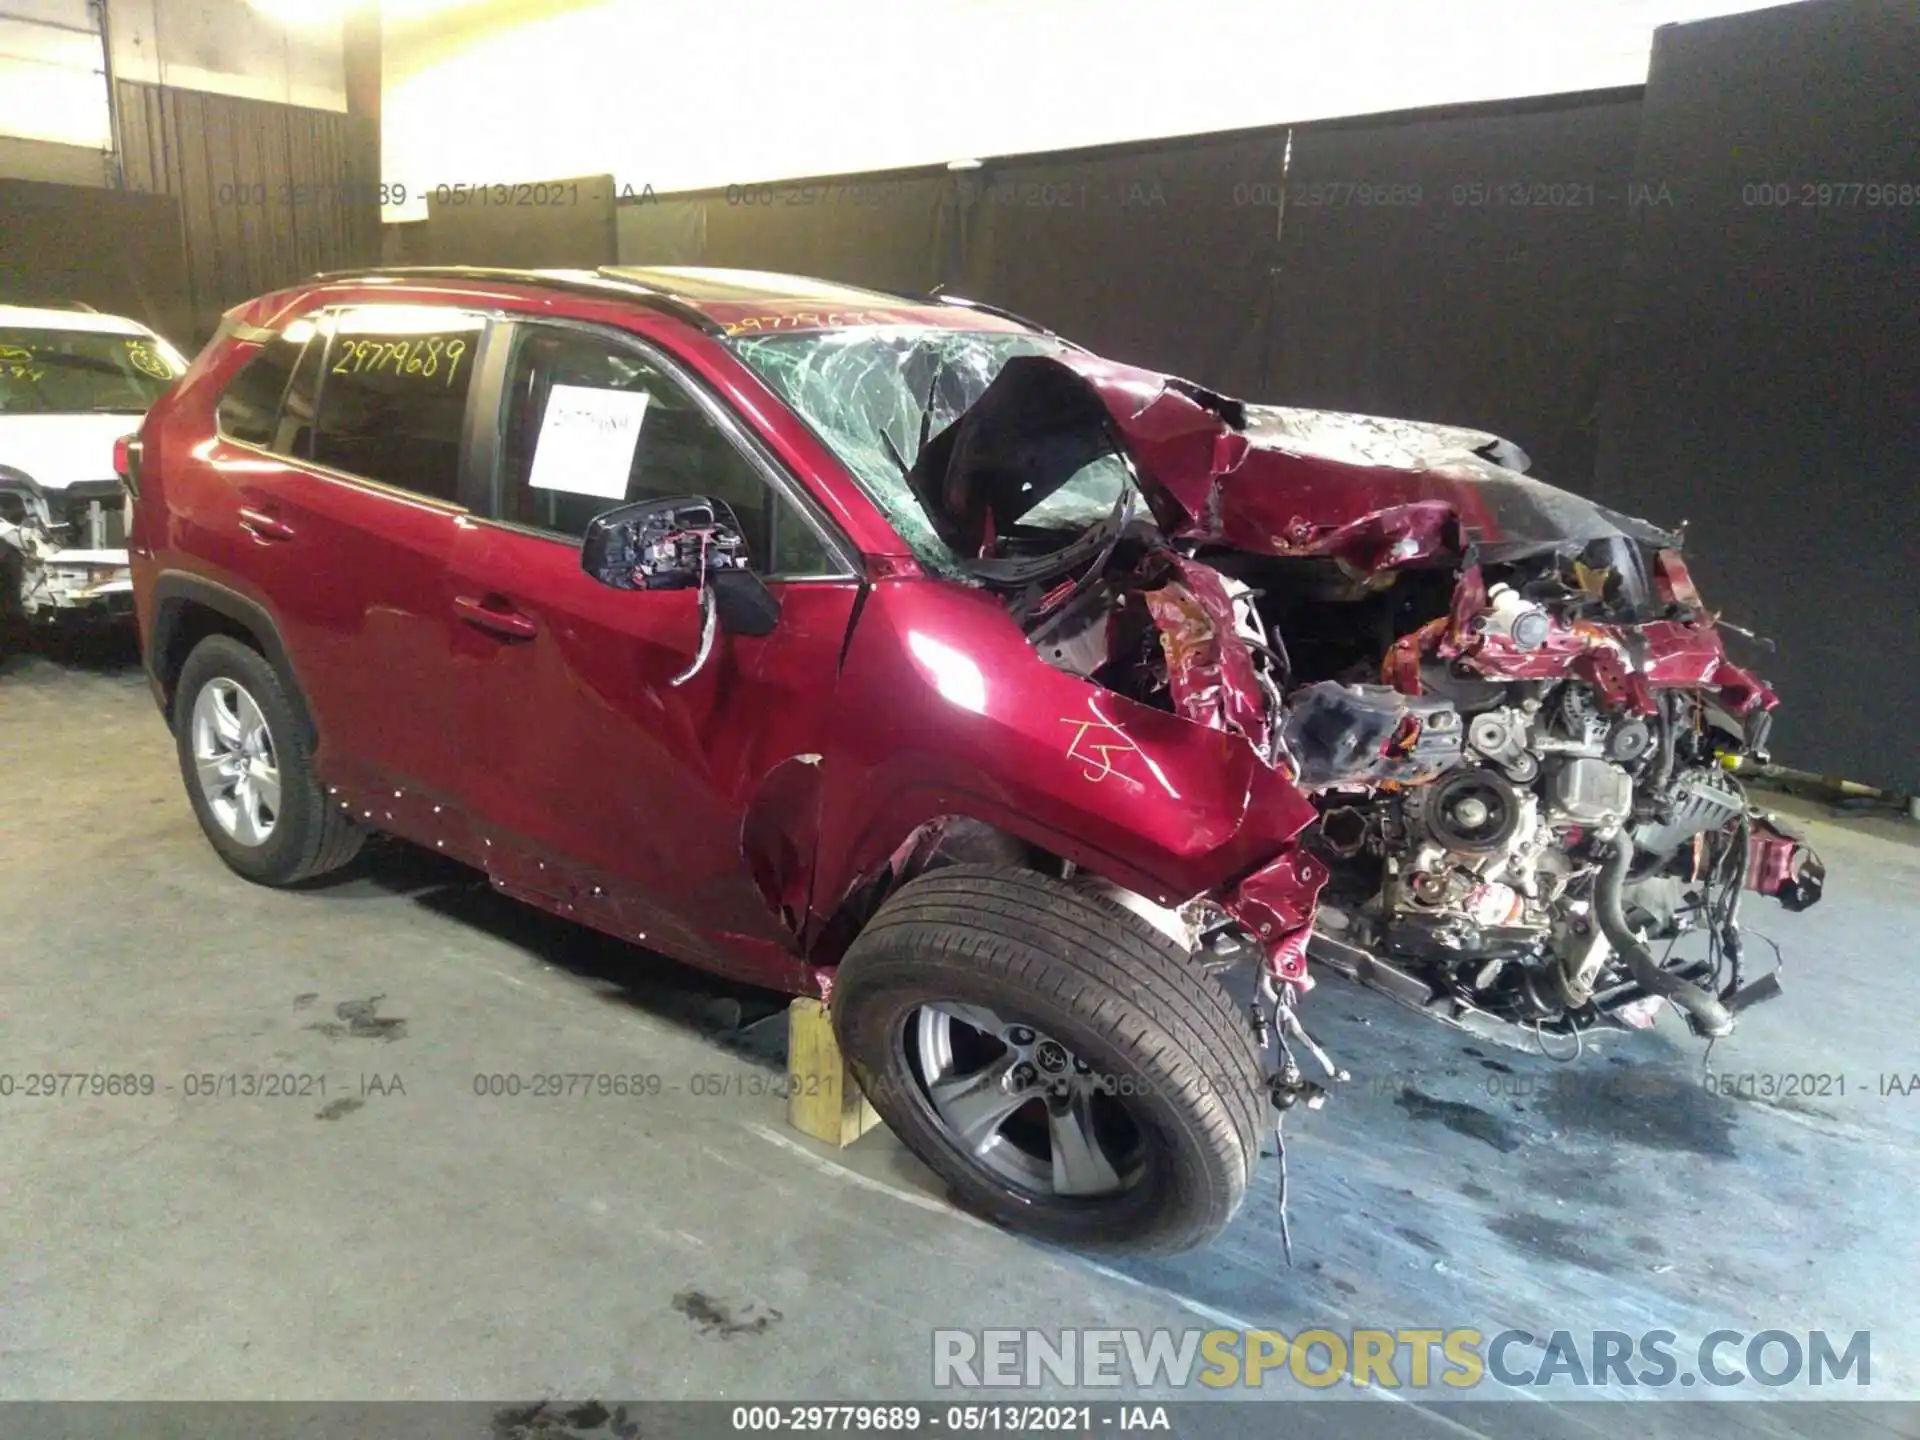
[1023,1104]
[235,761]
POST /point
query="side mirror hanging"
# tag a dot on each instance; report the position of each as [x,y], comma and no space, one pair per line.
[680,543]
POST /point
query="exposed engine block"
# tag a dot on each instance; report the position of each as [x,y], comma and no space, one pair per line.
[1485,873]
[1699,801]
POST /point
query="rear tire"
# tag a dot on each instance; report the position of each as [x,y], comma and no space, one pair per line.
[230,709]
[974,951]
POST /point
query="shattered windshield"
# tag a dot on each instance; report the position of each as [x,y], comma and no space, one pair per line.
[874,395]
[67,372]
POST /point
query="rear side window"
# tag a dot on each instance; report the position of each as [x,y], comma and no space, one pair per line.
[393,395]
[250,405]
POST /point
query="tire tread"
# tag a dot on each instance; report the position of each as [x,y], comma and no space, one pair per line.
[1039,936]
[327,838]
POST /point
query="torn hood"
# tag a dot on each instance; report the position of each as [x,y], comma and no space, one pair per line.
[1369,491]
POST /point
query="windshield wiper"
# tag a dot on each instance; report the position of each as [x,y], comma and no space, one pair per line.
[926,411]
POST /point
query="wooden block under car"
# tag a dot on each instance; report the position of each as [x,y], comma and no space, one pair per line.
[823,1099]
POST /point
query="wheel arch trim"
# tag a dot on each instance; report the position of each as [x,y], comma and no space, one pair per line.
[174,595]
[893,851]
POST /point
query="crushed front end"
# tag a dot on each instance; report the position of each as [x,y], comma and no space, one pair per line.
[1514,715]
[63,551]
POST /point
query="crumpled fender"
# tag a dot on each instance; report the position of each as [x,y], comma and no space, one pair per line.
[945,710]
[1209,669]
[1624,664]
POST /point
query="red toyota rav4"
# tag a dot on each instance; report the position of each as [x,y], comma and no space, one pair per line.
[897,651]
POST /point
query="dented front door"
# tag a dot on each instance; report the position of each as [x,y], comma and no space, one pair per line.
[682,816]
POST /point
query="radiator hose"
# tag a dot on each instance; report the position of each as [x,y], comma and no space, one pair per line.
[1710,1017]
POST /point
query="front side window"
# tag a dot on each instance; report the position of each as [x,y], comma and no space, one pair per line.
[80,372]
[591,424]
[393,395]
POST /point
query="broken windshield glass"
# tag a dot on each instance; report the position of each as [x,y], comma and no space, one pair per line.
[875,395]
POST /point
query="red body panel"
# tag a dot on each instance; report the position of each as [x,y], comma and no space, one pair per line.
[605,777]
[475,691]
[947,710]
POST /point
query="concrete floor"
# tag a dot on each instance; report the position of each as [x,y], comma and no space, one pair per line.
[432,1244]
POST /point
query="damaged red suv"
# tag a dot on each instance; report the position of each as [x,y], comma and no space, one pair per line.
[1055,718]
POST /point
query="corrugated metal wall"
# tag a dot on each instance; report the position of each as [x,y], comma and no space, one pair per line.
[268,193]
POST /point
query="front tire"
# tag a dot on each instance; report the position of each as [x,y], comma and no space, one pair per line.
[248,772]
[1064,1067]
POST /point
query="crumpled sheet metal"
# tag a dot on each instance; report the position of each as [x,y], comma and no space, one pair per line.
[1276,903]
[1363,489]
[1624,664]
[1782,864]
[1209,668]
[1377,439]
[1210,672]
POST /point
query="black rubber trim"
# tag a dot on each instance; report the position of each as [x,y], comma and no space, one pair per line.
[173,592]
[960,302]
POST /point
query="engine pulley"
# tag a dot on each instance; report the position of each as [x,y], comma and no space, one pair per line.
[1472,811]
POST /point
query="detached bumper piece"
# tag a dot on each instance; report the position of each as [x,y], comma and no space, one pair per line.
[1781,864]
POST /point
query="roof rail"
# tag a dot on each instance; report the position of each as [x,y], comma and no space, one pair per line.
[937,294]
[599,284]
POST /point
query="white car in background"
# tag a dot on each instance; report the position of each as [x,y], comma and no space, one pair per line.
[72,382]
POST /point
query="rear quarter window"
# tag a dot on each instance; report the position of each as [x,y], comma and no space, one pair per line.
[249,407]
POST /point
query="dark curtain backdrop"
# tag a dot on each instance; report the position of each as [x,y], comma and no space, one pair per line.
[1458,265]
[117,252]
[1486,303]
[1765,381]
[567,223]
